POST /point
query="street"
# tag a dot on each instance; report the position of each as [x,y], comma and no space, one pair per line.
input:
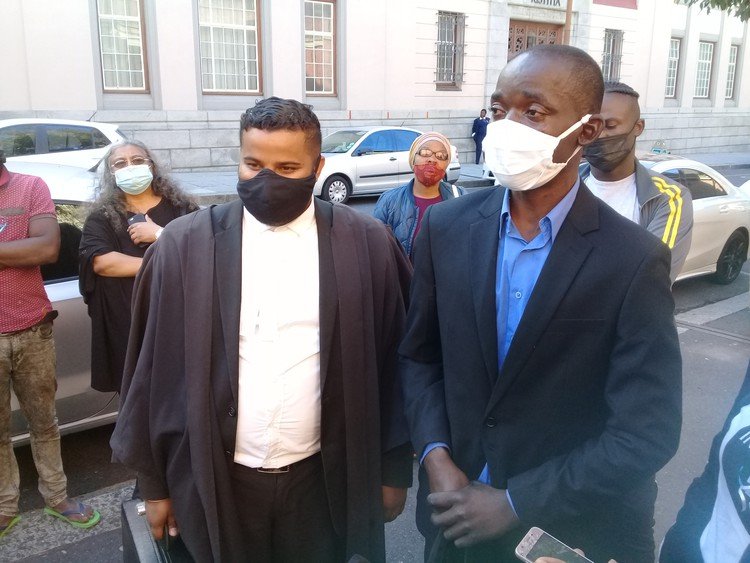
[714,326]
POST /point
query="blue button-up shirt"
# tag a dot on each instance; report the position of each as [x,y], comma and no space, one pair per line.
[519,264]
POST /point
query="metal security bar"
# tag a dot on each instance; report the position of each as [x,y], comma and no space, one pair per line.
[450,49]
[612,55]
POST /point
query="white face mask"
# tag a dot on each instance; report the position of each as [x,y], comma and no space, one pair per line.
[521,157]
[134,179]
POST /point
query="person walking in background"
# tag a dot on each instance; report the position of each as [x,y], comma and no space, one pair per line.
[541,365]
[479,131]
[402,208]
[29,238]
[263,413]
[612,172]
[136,200]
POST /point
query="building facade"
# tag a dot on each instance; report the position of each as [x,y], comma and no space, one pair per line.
[177,74]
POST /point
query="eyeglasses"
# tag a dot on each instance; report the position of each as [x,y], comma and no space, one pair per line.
[427,153]
[121,163]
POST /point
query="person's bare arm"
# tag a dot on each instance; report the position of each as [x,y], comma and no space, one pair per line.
[41,247]
[116,265]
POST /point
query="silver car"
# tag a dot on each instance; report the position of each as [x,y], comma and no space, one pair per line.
[78,406]
[369,160]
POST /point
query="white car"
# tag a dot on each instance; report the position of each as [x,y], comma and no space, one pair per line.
[721,217]
[68,183]
[369,160]
[57,141]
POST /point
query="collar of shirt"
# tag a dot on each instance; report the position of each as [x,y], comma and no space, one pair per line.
[4,176]
[298,226]
[552,221]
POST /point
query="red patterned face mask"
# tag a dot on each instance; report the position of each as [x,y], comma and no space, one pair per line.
[428,174]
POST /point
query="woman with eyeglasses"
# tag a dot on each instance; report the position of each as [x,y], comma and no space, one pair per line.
[403,208]
[135,201]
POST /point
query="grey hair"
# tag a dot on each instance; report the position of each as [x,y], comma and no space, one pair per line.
[110,199]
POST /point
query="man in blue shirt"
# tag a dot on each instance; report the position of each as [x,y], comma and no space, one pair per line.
[479,132]
[541,366]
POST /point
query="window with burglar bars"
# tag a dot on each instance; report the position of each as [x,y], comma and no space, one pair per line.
[229,46]
[703,71]
[673,63]
[121,44]
[450,50]
[320,38]
[612,55]
[731,72]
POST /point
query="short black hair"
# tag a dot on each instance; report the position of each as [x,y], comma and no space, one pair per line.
[273,114]
[586,81]
[613,87]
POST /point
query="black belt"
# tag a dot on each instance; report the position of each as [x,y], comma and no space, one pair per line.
[240,469]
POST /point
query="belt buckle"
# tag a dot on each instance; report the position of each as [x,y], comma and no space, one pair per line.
[273,470]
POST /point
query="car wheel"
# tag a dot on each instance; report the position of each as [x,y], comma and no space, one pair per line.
[731,259]
[337,189]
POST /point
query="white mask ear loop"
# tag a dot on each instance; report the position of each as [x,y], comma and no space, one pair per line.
[583,121]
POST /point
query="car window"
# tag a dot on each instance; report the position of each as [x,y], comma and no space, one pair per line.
[341,141]
[700,184]
[404,139]
[61,138]
[100,139]
[379,141]
[70,217]
[18,140]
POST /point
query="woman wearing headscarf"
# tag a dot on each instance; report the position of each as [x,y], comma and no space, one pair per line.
[402,208]
[135,201]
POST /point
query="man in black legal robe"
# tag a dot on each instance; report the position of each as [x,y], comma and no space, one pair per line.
[211,307]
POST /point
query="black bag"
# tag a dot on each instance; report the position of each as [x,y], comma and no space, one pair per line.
[139,546]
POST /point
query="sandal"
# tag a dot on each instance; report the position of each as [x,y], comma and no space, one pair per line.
[65,516]
[5,529]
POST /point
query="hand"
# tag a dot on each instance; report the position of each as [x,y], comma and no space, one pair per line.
[145,232]
[158,514]
[442,473]
[474,514]
[394,500]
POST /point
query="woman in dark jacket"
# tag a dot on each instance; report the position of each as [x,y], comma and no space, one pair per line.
[402,208]
[135,201]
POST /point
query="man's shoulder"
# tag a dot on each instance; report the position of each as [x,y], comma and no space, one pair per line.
[654,184]
[613,226]
[468,205]
[16,181]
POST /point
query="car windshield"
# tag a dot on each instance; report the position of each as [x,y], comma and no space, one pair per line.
[341,141]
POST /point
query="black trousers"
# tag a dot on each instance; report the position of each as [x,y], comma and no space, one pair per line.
[285,517]
[478,142]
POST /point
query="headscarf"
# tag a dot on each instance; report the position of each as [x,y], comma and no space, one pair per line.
[425,138]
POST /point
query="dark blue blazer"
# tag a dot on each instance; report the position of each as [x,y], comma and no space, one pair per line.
[587,407]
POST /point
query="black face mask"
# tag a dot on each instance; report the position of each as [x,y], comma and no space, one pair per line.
[276,200]
[607,153]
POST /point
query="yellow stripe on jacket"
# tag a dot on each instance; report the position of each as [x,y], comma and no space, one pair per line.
[674,193]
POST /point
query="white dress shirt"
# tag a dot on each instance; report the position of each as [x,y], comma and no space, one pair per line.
[279,355]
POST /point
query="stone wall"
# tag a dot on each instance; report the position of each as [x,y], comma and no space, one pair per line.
[693,131]
[208,140]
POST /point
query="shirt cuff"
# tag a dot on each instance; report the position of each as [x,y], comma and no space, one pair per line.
[431,446]
[510,502]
